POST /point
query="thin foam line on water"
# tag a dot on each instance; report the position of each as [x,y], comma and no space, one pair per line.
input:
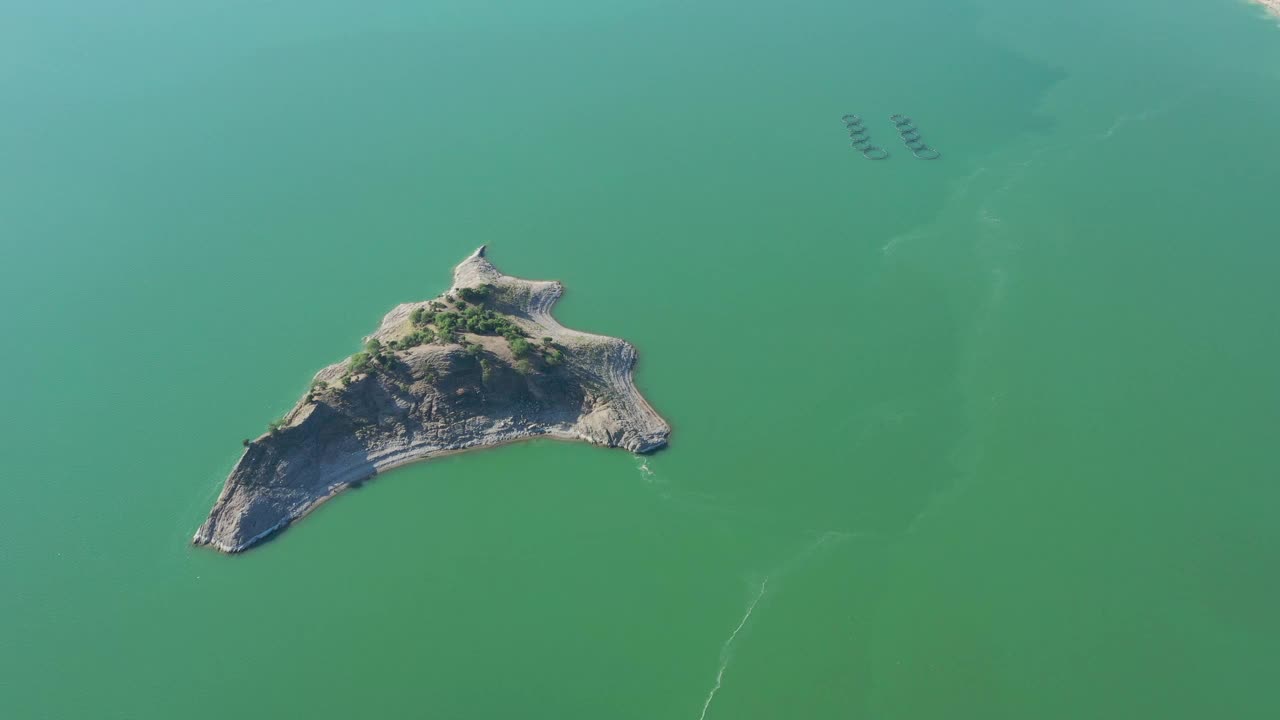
[914,234]
[724,650]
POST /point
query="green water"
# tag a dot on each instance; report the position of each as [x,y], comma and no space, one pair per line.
[987,437]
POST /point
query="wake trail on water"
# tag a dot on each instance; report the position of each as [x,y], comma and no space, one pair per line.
[728,646]
[726,650]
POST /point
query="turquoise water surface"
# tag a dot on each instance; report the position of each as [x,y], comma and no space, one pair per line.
[986,437]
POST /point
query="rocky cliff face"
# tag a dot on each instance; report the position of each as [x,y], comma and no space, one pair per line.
[434,399]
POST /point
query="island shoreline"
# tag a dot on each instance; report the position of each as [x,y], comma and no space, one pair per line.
[341,487]
[360,421]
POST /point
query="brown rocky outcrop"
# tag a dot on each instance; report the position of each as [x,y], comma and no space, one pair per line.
[431,400]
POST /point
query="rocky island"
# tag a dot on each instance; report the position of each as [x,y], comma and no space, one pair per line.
[1273,6]
[481,365]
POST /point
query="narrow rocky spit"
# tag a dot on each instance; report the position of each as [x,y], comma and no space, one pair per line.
[432,399]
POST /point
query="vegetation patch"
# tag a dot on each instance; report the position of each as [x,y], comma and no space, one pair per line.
[437,322]
[476,294]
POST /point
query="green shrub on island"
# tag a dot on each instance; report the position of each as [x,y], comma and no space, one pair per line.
[519,346]
[476,320]
[547,340]
[524,367]
[448,324]
[360,362]
[275,426]
[475,294]
[553,357]
[474,349]
[421,336]
[487,322]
